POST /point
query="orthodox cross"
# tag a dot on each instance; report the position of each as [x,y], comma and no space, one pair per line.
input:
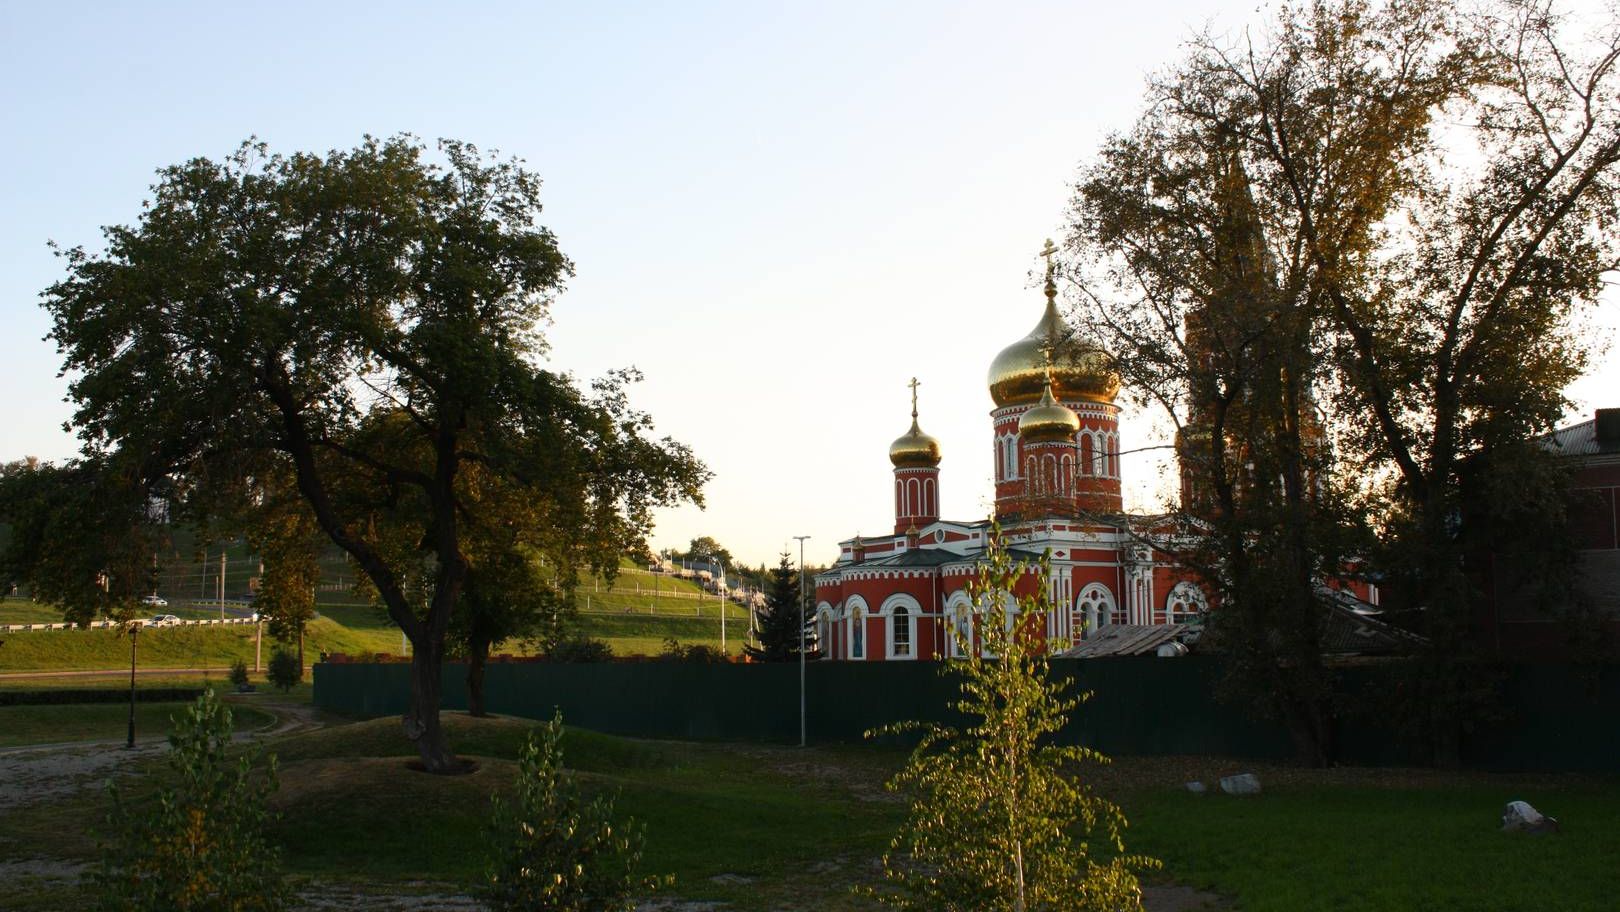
[1050,251]
[914,384]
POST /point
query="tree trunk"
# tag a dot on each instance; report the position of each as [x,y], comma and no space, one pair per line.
[477,656]
[422,719]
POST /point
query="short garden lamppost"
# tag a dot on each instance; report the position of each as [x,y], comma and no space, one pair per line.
[134,631]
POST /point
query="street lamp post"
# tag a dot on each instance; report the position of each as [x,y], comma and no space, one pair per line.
[134,630]
[722,590]
[802,740]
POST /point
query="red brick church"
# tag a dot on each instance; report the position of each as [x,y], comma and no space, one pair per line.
[1055,433]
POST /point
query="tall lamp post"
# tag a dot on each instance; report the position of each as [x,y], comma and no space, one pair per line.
[801,539]
[722,590]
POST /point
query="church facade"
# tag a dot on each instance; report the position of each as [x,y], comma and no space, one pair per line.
[1055,433]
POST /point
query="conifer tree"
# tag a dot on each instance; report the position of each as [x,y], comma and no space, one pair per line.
[779,630]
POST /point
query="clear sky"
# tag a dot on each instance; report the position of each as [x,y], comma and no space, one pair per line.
[778,214]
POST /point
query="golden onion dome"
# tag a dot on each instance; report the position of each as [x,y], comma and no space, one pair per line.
[1051,421]
[914,449]
[1080,369]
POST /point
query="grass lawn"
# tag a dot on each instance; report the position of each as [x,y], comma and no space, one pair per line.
[24,725]
[804,825]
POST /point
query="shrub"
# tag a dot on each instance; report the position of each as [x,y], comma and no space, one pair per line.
[547,850]
[239,673]
[284,671]
[581,649]
[199,845]
[697,652]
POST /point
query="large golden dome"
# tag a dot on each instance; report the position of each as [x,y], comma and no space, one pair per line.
[914,449]
[1080,369]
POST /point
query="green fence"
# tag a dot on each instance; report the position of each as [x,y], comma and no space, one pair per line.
[1546,718]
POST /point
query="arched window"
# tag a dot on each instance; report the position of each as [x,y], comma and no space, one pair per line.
[1184,603]
[1001,461]
[900,614]
[1086,449]
[929,504]
[1093,609]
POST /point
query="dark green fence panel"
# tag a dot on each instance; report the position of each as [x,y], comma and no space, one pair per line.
[1552,717]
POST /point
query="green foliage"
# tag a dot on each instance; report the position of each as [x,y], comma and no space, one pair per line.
[78,537]
[701,653]
[549,850]
[581,649]
[284,671]
[995,807]
[199,846]
[779,630]
[239,673]
[374,375]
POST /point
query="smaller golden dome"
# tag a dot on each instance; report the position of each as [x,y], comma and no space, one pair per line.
[914,449]
[1050,421]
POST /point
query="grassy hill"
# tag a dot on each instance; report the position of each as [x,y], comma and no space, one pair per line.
[634,617]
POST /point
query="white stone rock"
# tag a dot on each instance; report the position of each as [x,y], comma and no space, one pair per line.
[1197,788]
[1241,784]
[1519,816]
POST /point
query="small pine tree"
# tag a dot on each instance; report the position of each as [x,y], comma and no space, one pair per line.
[779,631]
[284,671]
[199,846]
[549,851]
[995,805]
[239,673]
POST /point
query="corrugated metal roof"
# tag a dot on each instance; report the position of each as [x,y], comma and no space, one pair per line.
[1580,440]
[1125,640]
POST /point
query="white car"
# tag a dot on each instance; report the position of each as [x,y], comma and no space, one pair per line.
[155,601]
[162,620]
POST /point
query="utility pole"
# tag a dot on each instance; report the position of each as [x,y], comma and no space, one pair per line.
[222,553]
[722,591]
[802,727]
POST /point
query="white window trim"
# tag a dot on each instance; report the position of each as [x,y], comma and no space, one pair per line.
[855,615]
[913,610]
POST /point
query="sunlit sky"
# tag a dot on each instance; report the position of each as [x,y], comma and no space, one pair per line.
[779,214]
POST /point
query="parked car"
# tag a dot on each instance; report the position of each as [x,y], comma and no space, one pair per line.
[155,601]
[162,620]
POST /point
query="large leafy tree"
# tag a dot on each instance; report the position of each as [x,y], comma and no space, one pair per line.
[1196,291]
[1437,188]
[78,536]
[365,325]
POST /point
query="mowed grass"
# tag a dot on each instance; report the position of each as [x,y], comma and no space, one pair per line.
[178,646]
[804,825]
[1437,847]
[708,810]
[24,725]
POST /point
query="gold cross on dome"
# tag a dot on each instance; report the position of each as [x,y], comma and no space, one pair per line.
[914,384]
[1049,251]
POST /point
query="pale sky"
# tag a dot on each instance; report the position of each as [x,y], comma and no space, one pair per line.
[779,215]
